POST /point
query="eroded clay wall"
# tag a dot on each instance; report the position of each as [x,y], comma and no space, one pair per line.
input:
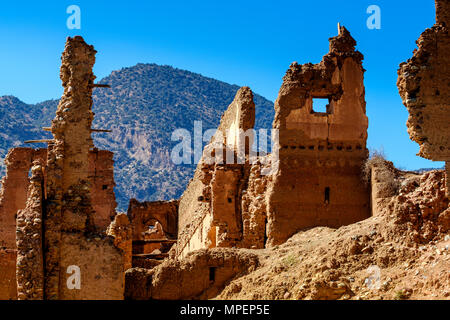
[69,204]
[321,193]
[254,209]
[122,232]
[30,257]
[319,181]
[424,85]
[13,198]
[101,176]
[101,268]
[144,214]
[13,195]
[201,275]
[203,236]
[225,204]
[8,286]
[155,226]
[72,243]
[210,208]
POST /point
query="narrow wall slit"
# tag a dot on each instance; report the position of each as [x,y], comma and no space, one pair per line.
[212,274]
[327,195]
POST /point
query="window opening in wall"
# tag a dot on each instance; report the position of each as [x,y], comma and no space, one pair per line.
[321,105]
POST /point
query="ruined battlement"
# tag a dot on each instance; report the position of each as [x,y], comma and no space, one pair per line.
[321,152]
[338,78]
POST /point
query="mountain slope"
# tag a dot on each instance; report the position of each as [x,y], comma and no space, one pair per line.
[145,104]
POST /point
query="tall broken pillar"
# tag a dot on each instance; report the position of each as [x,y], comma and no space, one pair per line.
[67,186]
[424,85]
[71,242]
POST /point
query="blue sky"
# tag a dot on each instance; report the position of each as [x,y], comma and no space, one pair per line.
[240,42]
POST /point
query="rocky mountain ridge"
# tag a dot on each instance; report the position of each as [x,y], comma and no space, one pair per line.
[144,105]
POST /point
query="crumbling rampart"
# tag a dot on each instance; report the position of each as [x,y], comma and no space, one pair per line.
[424,85]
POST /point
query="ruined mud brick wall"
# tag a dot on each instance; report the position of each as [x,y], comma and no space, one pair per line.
[14,193]
[101,177]
[101,265]
[144,214]
[254,208]
[15,184]
[321,154]
[155,225]
[424,85]
[70,235]
[78,202]
[384,181]
[68,158]
[210,208]
[13,197]
[8,287]
[30,264]
[201,275]
[122,232]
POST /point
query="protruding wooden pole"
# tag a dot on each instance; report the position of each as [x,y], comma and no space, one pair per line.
[92,130]
[39,141]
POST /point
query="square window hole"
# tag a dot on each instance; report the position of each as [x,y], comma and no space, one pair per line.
[320,105]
